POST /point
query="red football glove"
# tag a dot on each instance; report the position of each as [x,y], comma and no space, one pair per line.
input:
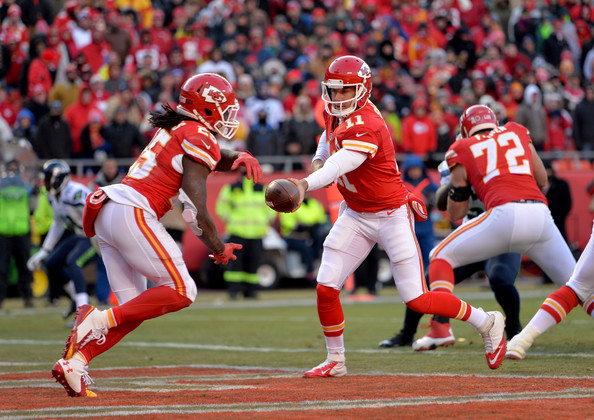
[227,254]
[252,166]
[418,208]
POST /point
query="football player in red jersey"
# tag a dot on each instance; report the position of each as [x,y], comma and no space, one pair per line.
[502,166]
[356,151]
[125,218]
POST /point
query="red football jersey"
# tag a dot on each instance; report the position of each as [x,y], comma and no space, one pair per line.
[157,173]
[498,165]
[376,184]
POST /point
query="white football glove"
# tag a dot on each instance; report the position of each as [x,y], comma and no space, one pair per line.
[34,263]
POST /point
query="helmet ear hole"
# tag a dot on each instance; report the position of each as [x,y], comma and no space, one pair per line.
[208,112]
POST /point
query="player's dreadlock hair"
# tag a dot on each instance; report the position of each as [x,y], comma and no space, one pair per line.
[169,119]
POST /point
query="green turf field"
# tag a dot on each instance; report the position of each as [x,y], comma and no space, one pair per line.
[281,329]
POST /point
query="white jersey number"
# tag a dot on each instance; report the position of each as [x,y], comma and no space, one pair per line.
[148,158]
[517,161]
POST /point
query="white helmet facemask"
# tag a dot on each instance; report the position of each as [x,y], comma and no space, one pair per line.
[341,108]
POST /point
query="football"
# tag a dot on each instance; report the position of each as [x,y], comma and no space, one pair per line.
[282,195]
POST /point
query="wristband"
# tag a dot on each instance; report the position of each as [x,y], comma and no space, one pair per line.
[459,193]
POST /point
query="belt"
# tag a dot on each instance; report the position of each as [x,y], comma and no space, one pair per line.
[527,201]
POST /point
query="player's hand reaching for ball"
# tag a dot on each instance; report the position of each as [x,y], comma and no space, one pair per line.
[226,254]
[252,166]
[302,186]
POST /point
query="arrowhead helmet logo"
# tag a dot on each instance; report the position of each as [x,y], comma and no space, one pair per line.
[364,72]
[213,95]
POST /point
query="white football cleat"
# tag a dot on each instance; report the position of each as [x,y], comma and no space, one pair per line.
[493,333]
[72,375]
[328,368]
[88,326]
[520,343]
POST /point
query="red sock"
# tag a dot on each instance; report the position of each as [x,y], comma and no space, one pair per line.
[441,275]
[560,303]
[114,335]
[588,305]
[441,303]
[330,311]
[151,303]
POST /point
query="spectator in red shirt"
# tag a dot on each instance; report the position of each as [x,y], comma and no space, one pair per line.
[77,116]
[97,52]
[419,135]
[161,35]
[39,72]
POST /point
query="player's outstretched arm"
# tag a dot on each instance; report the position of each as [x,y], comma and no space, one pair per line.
[231,160]
[194,185]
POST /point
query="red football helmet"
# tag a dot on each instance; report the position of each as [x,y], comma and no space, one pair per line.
[342,72]
[477,118]
[210,99]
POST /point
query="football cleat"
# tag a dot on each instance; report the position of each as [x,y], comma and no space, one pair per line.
[520,343]
[399,340]
[439,335]
[494,338]
[326,369]
[88,326]
[72,375]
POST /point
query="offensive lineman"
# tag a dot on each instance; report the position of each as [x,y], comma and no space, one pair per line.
[134,244]
[356,150]
[502,166]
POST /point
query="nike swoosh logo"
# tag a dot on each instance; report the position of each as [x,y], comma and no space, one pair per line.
[206,145]
[495,356]
[391,211]
[360,134]
[324,372]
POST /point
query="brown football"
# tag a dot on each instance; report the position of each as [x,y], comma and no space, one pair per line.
[282,195]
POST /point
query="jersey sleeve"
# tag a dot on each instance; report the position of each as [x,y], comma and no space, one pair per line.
[361,137]
[519,129]
[199,144]
[452,157]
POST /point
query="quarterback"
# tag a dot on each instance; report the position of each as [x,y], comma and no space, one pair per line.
[357,152]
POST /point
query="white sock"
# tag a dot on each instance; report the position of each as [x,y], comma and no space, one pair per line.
[335,345]
[81,299]
[477,317]
[70,291]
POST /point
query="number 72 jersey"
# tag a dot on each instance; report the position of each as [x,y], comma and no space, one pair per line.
[498,165]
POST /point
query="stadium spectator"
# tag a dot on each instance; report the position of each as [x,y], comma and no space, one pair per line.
[97,51]
[301,131]
[67,91]
[77,115]
[216,64]
[532,115]
[93,138]
[419,134]
[53,139]
[263,139]
[583,124]
[82,34]
[559,124]
[123,136]
[124,97]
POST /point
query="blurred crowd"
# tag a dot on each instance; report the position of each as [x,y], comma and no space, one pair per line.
[78,78]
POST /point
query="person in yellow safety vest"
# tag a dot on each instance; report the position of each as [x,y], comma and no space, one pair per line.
[302,232]
[242,207]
